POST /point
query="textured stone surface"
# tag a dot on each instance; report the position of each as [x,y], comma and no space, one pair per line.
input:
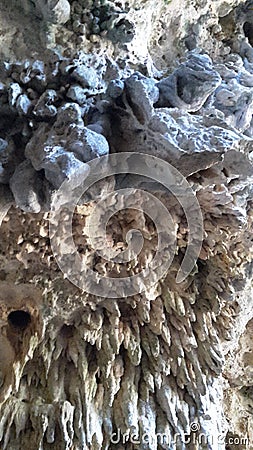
[168,79]
[190,85]
[26,186]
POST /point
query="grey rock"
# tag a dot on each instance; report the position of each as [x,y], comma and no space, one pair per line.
[87,76]
[3,157]
[8,160]
[77,94]
[100,123]
[115,88]
[89,70]
[143,93]
[70,113]
[55,11]
[61,166]
[87,144]
[35,150]
[26,185]
[234,96]
[137,81]
[53,58]
[83,142]
[14,91]
[6,201]
[63,149]
[3,145]
[33,74]
[24,105]
[189,86]
[46,137]
[5,69]
[44,108]
[2,88]
[122,31]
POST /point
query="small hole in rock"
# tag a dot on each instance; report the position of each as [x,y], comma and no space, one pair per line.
[248,31]
[19,319]
[67,331]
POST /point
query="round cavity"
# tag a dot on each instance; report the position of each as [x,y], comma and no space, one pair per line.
[19,319]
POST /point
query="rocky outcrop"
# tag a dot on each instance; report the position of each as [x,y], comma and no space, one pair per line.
[168,366]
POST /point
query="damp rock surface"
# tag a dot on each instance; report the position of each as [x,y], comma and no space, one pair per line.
[80,81]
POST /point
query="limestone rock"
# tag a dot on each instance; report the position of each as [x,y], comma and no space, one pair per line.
[45,108]
[63,149]
[26,185]
[190,85]
[173,361]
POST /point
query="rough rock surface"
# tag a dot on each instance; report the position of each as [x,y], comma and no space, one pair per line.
[171,366]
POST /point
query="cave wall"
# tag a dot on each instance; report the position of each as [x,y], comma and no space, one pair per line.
[80,81]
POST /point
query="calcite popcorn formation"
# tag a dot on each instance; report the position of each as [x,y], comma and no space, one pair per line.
[76,368]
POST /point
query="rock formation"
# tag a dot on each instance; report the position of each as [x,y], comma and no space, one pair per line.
[169,367]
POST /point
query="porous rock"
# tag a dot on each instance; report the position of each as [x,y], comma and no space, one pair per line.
[189,86]
[166,79]
[26,186]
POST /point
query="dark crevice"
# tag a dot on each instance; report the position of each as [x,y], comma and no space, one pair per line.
[19,319]
[248,31]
